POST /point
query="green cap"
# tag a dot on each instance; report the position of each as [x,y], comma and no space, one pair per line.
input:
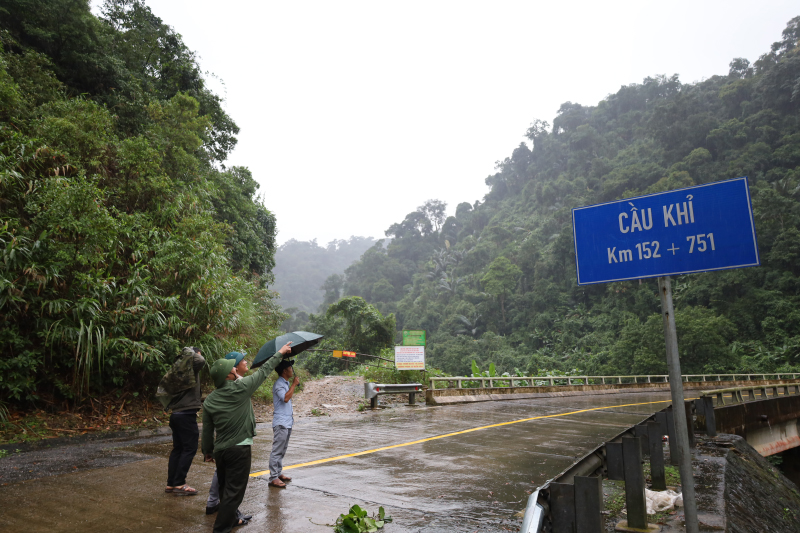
[235,356]
[220,370]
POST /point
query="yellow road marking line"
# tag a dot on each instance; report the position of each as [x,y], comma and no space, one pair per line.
[365,452]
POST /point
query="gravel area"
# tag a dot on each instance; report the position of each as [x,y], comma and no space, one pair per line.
[335,396]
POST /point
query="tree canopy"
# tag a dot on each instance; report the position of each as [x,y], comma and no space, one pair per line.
[123,234]
[496,282]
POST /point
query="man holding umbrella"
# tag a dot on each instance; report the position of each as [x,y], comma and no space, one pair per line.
[229,411]
[282,393]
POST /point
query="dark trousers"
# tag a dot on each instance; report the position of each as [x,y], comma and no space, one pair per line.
[233,471]
[184,447]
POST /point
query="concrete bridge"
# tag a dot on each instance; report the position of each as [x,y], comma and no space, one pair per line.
[766,416]
[463,389]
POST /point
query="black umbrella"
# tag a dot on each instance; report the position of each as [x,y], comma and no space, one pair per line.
[301,340]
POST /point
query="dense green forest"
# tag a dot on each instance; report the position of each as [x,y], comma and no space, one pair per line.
[496,282]
[123,234]
[307,273]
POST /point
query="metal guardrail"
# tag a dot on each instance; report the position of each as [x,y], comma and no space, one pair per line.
[562,505]
[573,500]
[553,381]
[372,390]
[737,396]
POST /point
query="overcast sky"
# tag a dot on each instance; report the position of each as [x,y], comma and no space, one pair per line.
[353,113]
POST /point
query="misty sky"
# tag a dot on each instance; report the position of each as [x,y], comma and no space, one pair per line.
[353,113]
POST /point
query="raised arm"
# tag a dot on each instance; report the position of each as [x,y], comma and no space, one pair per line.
[198,361]
[254,380]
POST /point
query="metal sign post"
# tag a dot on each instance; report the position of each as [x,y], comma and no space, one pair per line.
[679,413]
[697,229]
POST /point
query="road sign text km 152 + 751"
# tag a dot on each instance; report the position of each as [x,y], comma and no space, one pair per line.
[697,229]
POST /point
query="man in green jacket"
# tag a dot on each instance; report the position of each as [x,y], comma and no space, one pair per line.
[229,411]
[183,423]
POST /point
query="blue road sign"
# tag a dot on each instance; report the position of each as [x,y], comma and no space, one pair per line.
[697,229]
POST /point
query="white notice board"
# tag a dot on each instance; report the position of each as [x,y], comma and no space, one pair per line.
[409,357]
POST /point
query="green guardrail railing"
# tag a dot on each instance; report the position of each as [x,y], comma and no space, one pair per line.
[465,382]
[737,393]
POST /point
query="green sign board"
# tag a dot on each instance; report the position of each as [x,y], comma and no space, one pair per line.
[413,337]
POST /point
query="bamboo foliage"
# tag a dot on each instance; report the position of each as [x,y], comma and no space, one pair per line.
[121,240]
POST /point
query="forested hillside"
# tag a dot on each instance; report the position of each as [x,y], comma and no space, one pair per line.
[303,267]
[496,282]
[123,234]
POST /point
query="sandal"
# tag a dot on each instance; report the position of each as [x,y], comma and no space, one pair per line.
[169,489]
[284,478]
[277,483]
[185,490]
[242,522]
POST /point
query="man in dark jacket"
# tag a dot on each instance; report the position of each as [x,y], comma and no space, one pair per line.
[183,422]
[228,411]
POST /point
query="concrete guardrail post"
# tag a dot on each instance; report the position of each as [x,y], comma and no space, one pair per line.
[656,448]
[562,507]
[688,407]
[708,413]
[641,431]
[589,504]
[615,469]
[673,442]
[661,418]
[634,484]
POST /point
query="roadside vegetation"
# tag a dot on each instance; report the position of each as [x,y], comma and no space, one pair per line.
[123,234]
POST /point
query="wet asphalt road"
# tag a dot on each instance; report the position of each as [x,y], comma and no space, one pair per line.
[472,481]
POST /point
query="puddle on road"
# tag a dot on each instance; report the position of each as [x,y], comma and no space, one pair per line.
[157,450]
